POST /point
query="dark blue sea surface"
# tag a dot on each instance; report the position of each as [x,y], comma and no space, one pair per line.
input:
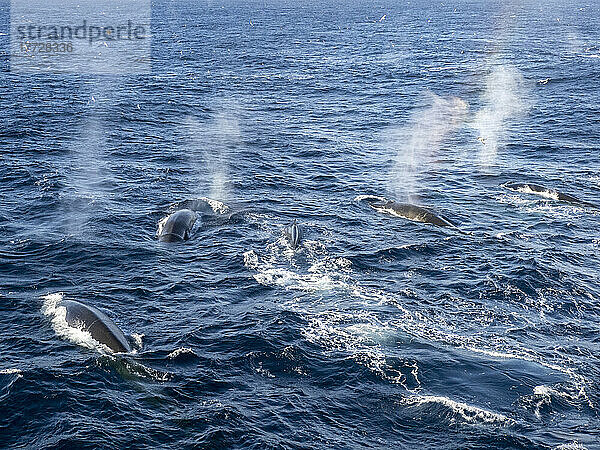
[378,332]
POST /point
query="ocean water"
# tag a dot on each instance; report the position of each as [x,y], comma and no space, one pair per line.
[377,332]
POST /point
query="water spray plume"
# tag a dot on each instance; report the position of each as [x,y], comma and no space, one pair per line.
[503,99]
[420,140]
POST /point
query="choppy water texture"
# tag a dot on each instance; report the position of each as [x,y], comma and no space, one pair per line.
[378,332]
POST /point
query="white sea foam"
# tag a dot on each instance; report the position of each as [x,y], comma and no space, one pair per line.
[137,339]
[548,193]
[468,413]
[356,331]
[492,353]
[251,259]
[571,446]
[548,392]
[292,280]
[10,371]
[513,199]
[555,209]
[323,274]
[181,351]
[437,330]
[262,371]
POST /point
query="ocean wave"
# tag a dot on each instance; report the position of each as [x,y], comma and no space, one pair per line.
[571,446]
[463,411]
[131,369]
[181,351]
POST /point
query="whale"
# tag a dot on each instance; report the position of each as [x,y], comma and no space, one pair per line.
[542,191]
[407,211]
[294,234]
[99,325]
[177,227]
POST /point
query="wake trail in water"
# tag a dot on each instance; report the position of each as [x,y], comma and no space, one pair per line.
[344,316]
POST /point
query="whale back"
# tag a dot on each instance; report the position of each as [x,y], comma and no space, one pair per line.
[570,199]
[411,212]
[177,227]
[294,234]
[98,324]
[529,188]
[419,214]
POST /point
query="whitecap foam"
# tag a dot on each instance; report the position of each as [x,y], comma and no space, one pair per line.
[571,446]
[547,193]
[262,371]
[542,390]
[558,210]
[181,351]
[513,199]
[10,371]
[356,331]
[549,392]
[137,339]
[492,353]
[321,275]
[420,326]
[468,413]
[251,259]
[291,280]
